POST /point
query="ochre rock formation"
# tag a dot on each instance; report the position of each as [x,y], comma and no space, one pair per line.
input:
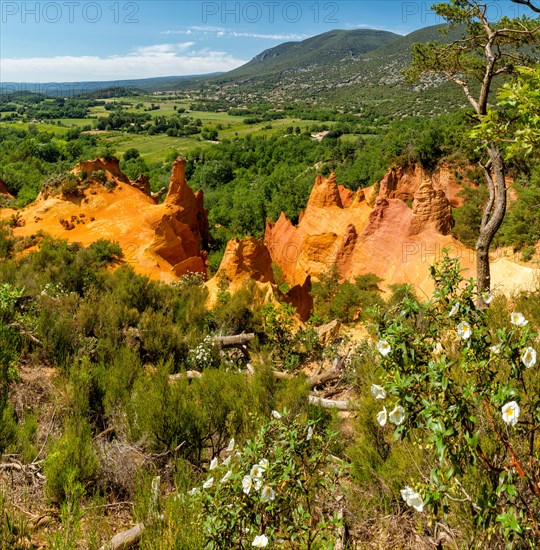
[163,241]
[248,262]
[395,230]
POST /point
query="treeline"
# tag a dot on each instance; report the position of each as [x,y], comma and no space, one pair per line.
[29,157]
[26,106]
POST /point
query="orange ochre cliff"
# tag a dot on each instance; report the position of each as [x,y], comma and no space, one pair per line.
[394,229]
[163,241]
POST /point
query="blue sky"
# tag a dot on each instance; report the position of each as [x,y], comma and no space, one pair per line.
[80,40]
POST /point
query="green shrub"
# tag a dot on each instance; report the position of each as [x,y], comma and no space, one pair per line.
[71,460]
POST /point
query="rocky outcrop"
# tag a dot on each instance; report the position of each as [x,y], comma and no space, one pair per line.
[111,168]
[163,241]
[391,229]
[248,262]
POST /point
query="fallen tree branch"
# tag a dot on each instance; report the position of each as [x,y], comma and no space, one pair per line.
[330,403]
[125,539]
[233,341]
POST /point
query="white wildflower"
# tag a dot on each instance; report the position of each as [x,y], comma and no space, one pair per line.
[464,330]
[193,491]
[230,447]
[454,310]
[381,417]
[260,541]
[226,461]
[226,477]
[529,357]
[397,416]
[384,347]
[256,471]
[214,463]
[518,320]
[378,391]
[487,297]
[267,494]
[309,433]
[276,415]
[208,483]
[496,349]
[247,483]
[263,463]
[510,413]
[412,499]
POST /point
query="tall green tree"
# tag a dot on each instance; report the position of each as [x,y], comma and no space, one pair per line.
[486,50]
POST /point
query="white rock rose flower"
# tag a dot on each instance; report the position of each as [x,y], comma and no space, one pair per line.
[381,417]
[510,413]
[529,357]
[454,310]
[193,491]
[257,483]
[276,415]
[378,391]
[230,446]
[226,461]
[263,463]
[214,463]
[267,494]
[226,477]
[496,349]
[518,320]
[208,483]
[487,297]
[256,471]
[384,347]
[260,541]
[464,330]
[247,482]
[397,416]
[309,433]
[412,499]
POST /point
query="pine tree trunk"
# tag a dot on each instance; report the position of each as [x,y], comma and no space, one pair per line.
[493,216]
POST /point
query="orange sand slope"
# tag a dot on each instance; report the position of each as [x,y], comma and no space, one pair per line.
[162,241]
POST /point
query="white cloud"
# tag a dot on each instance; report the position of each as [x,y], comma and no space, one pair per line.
[225,33]
[145,62]
[158,49]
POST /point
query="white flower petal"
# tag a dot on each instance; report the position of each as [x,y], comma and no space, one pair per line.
[230,446]
[276,415]
[214,463]
[263,463]
[518,320]
[510,413]
[378,391]
[247,482]
[267,494]
[397,416]
[464,330]
[226,477]
[454,310]
[309,433]
[260,541]
[384,347]
[529,357]
[208,483]
[381,417]
[487,297]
